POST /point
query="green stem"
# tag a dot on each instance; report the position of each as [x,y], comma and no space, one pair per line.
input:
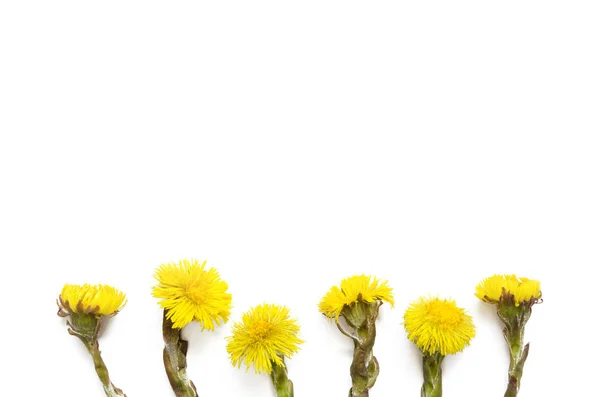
[283,385]
[110,389]
[514,319]
[432,375]
[174,358]
[364,369]
[87,328]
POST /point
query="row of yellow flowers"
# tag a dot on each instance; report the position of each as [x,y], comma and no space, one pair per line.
[188,292]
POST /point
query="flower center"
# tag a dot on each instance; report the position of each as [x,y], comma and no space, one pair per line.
[196,291]
[261,330]
[443,315]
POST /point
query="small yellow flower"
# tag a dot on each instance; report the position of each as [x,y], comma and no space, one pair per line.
[99,300]
[438,326]
[354,289]
[265,335]
[189,293]
[523,289]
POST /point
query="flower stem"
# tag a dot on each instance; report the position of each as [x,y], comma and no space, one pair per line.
[174,357]
[361,317]
[283,386]
[514,319]
[432,375]
[87,327]
[110,389]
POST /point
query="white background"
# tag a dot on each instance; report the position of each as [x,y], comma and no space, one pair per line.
[291,145]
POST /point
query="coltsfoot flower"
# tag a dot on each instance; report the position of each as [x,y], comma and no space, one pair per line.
[188,292]
[85,306]
[263,339]
[99,300]
[508,287]
[438,327]
[353,290]
[514,298]
[357,301]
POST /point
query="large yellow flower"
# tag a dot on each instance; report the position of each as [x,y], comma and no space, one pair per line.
[523,289]
[190,292]
[438,326]
[265,335]
[354,289]
[99,300]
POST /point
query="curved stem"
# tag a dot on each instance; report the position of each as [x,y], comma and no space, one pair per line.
[109,388]
[432,375]
[86,327]
[345,332]
[174,358]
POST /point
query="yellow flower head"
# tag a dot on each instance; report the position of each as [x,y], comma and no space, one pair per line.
[100,300]
[189,292]
[265,335]
[354,289]
[524,290]
[438,326]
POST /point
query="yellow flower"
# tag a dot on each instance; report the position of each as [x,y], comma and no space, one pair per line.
[99,300]
[189,293]
[438,326]
[354,289]
[265,335]
[523,289]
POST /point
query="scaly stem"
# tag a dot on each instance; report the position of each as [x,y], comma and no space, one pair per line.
[110,389]
[87,328]
[432,375]
[283,386]
[360,317]
[514,319]
[174,357]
